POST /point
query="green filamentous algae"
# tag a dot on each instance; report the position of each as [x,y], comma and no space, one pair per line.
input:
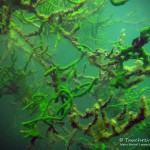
[74,74]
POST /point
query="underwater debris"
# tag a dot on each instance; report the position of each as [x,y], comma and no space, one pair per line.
[99,128]
[53,98]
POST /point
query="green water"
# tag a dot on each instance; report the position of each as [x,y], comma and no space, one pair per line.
[74,75]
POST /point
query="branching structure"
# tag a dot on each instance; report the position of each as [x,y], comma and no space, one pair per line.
[57,107]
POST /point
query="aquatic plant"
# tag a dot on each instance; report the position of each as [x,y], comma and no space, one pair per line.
[57,108]
[118,2]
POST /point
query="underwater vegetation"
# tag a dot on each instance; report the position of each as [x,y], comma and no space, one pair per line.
[63,102]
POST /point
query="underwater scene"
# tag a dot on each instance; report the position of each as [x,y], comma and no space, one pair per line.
[74,74]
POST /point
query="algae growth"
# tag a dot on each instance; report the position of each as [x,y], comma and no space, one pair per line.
[78,88]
